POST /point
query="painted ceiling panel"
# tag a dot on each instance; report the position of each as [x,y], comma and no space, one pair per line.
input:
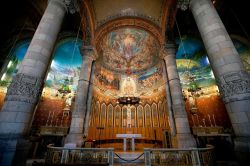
[129,50]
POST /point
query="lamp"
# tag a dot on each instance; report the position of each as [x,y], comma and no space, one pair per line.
[128,100]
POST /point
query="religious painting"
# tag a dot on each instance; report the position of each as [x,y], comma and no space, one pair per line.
[151,79]
[129,50]
[124,116]
[10,67]
[147,116]
[60,84]
[155,115]
[110,116]
[133,112]
[117,116]
[106,79]
[140,116]
[201,94]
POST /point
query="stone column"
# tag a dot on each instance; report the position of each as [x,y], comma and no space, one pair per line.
[75,135]
[183,137]
[89,100]
[230,74]
[169,101]
[25,89]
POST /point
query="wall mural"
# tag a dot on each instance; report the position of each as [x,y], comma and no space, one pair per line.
[203,103]
[60,84]
[129,50]
[11,66]
[142,84]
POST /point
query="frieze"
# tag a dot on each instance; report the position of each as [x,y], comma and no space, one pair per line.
[235,86]
[25,89]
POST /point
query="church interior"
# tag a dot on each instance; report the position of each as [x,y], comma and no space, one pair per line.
[121,82]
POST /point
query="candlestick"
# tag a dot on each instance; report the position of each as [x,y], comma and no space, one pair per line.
[56,121]
[204,122]
[62,121]
[198,120]
[51,122]
[214,121]
[48,119]
[210,120]
[193,121]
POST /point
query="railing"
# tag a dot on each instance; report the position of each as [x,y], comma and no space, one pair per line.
[187,157]
[60,155]
[53,130]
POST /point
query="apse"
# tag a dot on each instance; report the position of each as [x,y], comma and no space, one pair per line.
[129,65]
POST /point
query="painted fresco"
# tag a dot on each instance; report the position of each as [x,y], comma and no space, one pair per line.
[106,79]
[129,50]
[55,106]
[143,84]
[11,66]
[201,94]
[60,85]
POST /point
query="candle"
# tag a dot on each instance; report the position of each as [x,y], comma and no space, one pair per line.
[193,121]
[204,122]
[48,119]
[214,120]
[210,120]
[51,122]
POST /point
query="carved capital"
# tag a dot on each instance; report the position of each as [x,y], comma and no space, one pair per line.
[88,52]
[183,4]
[169,49]
[24,88]
[235,86]
[70,5]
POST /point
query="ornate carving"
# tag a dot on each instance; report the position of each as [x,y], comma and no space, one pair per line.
[72,6]
[169,49]
[235,86]
[24,88]
[88,51]
[183,4]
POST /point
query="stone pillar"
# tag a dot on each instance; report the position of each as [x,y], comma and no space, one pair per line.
[183,137]
[169,101]
[25,89]
[89,100]
[75,135]
[230,74]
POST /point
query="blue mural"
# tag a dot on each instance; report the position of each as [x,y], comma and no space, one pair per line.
[64,71]
[193,64]
[65,66]
[11,68]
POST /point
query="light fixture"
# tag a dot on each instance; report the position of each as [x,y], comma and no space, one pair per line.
[128,100]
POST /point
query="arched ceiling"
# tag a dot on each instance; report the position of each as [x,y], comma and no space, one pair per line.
[104,10]
[154,12]
[129,50]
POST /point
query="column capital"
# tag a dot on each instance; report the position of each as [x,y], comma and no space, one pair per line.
[88,51]
[183,4]
[71,6]
[168,48]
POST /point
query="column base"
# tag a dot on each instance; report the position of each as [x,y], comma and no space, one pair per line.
[74,139]
[183,141]
[14,152]
[242,150]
